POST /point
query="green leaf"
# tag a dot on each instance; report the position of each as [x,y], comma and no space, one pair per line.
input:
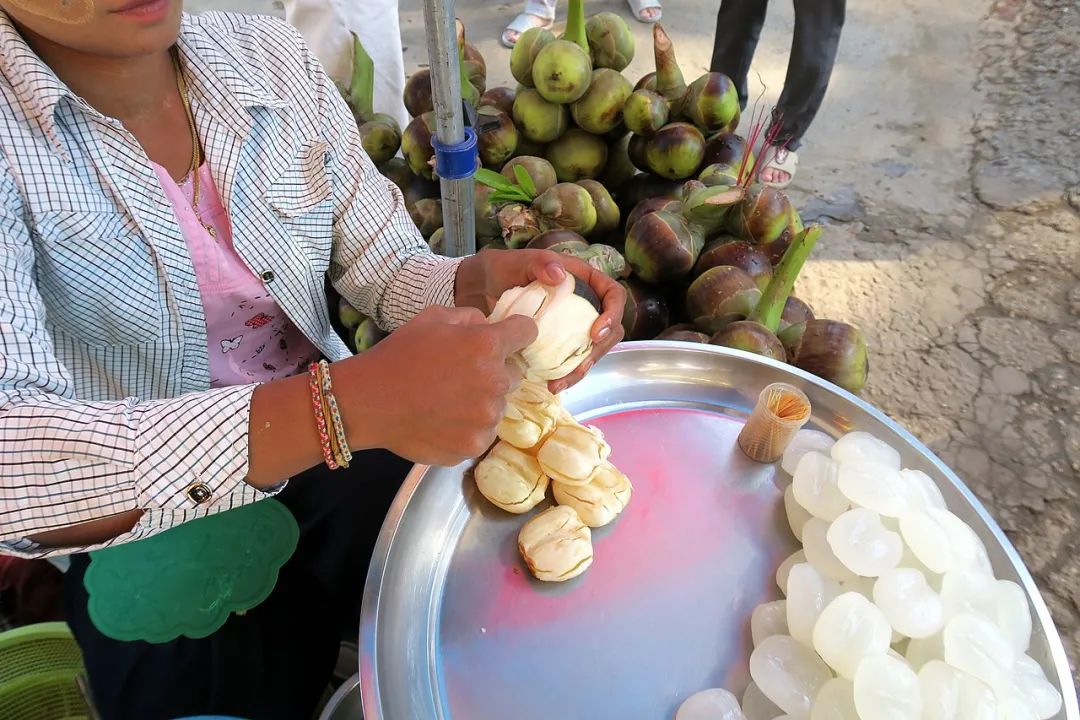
[362,82]
[525,181]
[494,180]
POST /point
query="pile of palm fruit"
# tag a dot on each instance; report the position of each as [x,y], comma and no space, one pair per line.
[647,182]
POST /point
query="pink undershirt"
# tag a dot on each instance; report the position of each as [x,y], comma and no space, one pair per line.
[250,338]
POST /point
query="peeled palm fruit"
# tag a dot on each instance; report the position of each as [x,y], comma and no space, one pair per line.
[601,500]
[923,493]
[768,619]
[863,544]
[783,573]
[808,594]
[563,322]
[975,645]
[797,515]
[511,479]
[861,446]
[820,554]
[816,486]
[911,606]
[788,673]
[950,694]
[556,545]
[835,701]
[714,704]
[874,486]
[756,706]
[887,688]
[530,416]
[850,630]
[573,454]
[805,441]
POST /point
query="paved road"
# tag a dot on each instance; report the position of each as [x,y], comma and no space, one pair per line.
[944,160]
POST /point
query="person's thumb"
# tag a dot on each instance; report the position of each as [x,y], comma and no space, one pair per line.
[515,332]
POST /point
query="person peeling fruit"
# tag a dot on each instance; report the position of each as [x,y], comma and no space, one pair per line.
[177,413]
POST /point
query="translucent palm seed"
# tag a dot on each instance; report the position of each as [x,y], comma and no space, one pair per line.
[924,650]
[1042,698]
[755,706]
[815,486]
[923,492]
[887,689]
[784,570]
[797,515]
[1013,614]
[850,630]
[805,441]
[820,554]
[968,590]
[768,619]
[965,545]
[714,704]
[1027,665]
[808,593]
[908,560]
[874,487]
[1012,706]
[788,673]
[950,694]
[928,541]
[864,447]
[973,644]
[835,701]
[909,603]
[863,545]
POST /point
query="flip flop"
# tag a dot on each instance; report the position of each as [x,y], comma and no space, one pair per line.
[523,22]
[638,7]
[783,160]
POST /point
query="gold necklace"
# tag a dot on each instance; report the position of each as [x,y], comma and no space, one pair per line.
[196,147]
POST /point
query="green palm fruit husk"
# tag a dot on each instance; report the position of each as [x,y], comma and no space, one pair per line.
[600,109]
[577,155]
[611,42]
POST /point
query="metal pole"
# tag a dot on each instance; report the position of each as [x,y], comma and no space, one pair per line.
[459,221]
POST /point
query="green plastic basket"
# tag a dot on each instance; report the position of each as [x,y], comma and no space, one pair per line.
[39,665]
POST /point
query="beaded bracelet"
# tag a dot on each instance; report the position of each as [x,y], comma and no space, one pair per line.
[342,454]
[320,416]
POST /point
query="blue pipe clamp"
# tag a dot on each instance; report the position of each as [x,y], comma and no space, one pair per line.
[458,161]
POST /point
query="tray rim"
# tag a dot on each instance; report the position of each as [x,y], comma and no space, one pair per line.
[368,642]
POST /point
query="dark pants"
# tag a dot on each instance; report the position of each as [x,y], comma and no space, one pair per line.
[813,51]
[274,661]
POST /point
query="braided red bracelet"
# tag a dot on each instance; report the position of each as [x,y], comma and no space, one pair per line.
[320,416]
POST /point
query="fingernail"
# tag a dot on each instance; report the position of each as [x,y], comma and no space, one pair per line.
[555,270]
[558,388]
[603,332]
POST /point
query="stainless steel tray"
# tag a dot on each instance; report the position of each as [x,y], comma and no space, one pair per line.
[453,625]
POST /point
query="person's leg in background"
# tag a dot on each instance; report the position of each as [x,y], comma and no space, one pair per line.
[327,27]
[273,662]
[738,27]
[537,13]
[813,51]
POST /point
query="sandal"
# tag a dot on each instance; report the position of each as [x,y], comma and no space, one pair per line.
[524,21]
[638,7]
[786,161]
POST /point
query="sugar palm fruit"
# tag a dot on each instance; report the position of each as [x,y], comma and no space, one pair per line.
[577,155]
[600,109]
[537,119]
[522,57]
[676,151]
[611,43]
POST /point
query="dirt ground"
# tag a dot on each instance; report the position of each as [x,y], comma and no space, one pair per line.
[944,162]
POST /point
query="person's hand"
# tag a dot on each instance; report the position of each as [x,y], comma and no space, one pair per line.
[434,390]
[482,279]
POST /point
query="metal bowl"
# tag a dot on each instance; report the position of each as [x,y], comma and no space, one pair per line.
[453,626]
[344,704]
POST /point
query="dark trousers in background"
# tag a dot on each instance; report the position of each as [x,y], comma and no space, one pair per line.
[273,662]
[813,51]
